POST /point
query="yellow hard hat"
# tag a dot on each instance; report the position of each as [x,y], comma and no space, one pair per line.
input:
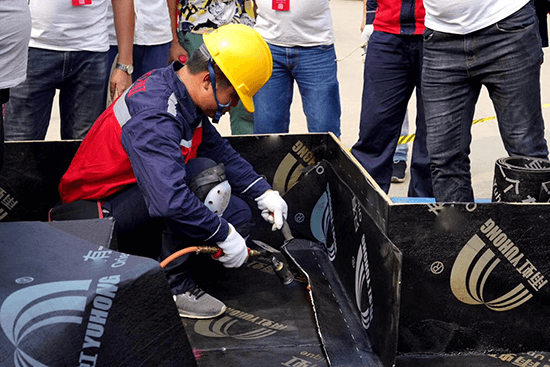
[244,58]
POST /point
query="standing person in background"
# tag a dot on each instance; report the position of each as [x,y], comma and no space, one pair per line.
[67,51]
[197,17]
[301,39]
[152,41]
[467,44]
[402,150]
[15,33]
[393,67]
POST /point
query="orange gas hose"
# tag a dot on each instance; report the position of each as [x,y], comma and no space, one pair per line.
[177,254]
[216,251]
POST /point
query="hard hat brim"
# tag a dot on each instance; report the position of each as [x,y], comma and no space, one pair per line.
[248,103]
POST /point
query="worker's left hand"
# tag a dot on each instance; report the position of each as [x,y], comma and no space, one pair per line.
[274,208]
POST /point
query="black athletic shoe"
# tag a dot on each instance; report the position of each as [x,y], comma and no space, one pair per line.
[398,174]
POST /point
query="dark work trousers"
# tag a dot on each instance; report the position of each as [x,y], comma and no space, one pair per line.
[139,234]
[393,69]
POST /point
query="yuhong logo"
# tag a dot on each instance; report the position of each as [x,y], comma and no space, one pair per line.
[220,328]
[304,153]
[291,167]
[363,289]
[102,303]
[357,213]
[50,304]
[477,260]
[7,202]
[39,306]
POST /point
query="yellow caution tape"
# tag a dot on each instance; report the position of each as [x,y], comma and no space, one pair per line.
[405,139]
[482,120]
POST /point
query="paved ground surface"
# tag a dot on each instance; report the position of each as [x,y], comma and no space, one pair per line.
[486,146]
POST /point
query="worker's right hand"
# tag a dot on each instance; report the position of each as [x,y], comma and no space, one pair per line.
[234,249]
[120,81]
[273,208]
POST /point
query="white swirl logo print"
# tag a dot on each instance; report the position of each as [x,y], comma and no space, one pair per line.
[220,329]
[470,272]
[322,224]
[38,306]
[363,289]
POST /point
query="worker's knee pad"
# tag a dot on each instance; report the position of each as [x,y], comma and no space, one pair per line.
[208,182]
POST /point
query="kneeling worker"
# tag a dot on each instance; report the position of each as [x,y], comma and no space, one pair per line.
[136,159]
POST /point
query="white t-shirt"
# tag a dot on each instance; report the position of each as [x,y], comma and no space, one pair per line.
[15,30]
[152,25]
[467,16]
[60,26]
[308,23]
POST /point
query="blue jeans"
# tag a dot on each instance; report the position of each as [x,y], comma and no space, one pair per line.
[506,58]
[314,70]
[80,78]
[393,68]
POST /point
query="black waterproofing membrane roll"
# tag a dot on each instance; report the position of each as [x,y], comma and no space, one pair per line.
[521,179]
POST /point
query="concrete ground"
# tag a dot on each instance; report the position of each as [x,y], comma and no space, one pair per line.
[486,146]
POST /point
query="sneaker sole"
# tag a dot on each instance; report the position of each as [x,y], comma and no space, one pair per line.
[194,316]
[397,179]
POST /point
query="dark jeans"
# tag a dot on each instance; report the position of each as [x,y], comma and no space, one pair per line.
[80,78]
[139,234]
[4,96]
[506,58]
[393,69]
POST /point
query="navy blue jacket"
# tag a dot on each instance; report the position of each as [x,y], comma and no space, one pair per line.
[146,136]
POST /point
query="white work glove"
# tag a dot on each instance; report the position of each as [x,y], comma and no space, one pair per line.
[234,249]
[273,207]
[365,35]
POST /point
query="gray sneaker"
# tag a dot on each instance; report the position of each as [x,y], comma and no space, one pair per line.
[197,304]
